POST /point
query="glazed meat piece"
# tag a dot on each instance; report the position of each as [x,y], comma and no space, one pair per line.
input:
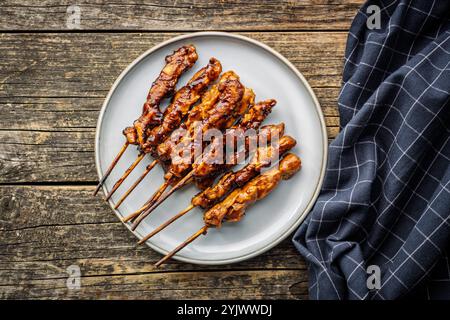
[227,106]
[182,102]
[234,206]
[264,157]
[176,64]
[198,113]
[231,180]
[205,167]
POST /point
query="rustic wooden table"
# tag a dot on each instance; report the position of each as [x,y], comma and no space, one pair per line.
[52,84]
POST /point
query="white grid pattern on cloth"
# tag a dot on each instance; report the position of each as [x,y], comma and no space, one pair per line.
[386,195]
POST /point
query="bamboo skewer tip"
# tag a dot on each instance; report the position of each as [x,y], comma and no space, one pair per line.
[111,167]
[180,184]
[136,183]
[200,232]
[166,224]
[124,176]
[149,202]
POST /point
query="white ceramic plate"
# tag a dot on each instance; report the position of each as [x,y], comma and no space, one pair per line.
[266,223]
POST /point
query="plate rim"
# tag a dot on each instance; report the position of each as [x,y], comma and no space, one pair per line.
[301,216]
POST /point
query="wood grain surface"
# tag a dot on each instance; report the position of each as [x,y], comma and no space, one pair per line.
[181,15]
[52,90]
[52,84]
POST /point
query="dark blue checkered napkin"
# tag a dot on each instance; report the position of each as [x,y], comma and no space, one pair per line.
[385,201]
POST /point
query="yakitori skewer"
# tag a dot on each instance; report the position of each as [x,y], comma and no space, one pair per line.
[263,158]
[136,183]
[125,175]
[251,120]
[197,114]
[227,108]
[156,195]
[111,166]
[181,103]
[176,64]
[233,207]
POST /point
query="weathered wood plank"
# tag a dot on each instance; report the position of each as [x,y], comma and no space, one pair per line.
[181,15]
[240,285]
[86,65]
[52,87]
[45,229]
[75,114]
[58,156]
[45,155]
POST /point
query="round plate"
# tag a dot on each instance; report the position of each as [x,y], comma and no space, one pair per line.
[267,222]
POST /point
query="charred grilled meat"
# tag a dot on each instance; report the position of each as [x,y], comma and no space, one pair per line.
[234,206]
[176,64]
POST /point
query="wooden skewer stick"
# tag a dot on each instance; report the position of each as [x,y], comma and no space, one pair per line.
[179,109]
[285,145]
[233,207]
[157,194]
[168,181]
[125,175]
[165,224]
[203,230]
[149,202]
[180,184]
[111,167]
[135,184]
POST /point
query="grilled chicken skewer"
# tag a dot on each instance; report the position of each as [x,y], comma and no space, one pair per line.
[208,100]
[233,207]
[263,158]
[251,120]
[265,133]
[176,64]
[225,112]
[205,166]
[181,103]
[197,113]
